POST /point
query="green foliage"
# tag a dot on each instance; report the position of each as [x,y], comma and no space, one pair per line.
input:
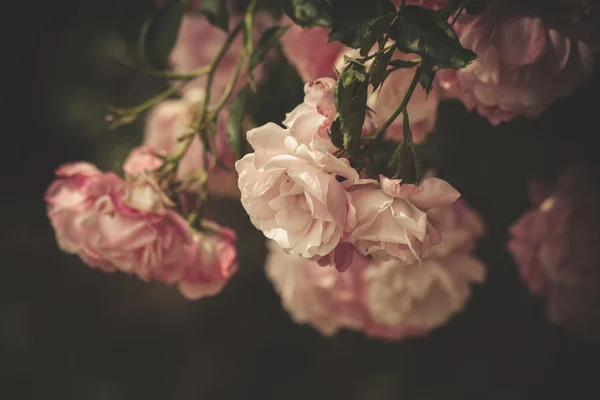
[216,12]
[351,99]
[424,32]
[162,33]
[309,13]
[267,41]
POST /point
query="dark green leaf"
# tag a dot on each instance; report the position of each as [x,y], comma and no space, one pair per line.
[422,31]
[364,34]
[308,13]
[235,121]
[133,20]
[162,33]
[267,41]
[379,67]
[426,77]
[385,7]
[403,64]
[336,133]
[216,13]
[351,100]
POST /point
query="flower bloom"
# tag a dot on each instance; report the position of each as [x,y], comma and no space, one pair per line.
[215,261]
[308,50]
[390,299]
[392,219]
[290,191]
[525,61]
[171,120]
[556,248]
[116,224]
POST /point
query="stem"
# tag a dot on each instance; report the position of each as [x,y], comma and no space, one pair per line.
[231,85]
[400,108]
[460,11]
[211,75]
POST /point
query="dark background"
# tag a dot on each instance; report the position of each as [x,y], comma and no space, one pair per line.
[70,332]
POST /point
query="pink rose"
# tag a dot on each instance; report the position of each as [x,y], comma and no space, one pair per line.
[107,230]
[290,191]
[171,120]
[556,248]
[308,50]
[525,61]
[214,262]
[319,296]
[199,42]
[417,297]
[422,108]
[69,197]
[391,217]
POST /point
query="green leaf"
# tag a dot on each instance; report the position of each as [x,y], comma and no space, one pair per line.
[379,67]
[335,133]
[363,35]
[235,121]
[216,13]
[132,21]
[308,13]
[351,100]
[267,41]
[426,77]
[162,33]
[403,64]
[424,32]
[385,7]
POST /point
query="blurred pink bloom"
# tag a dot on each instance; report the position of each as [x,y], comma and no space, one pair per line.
[290,191]
[556,248]
[199,42]
[391,217]
[391,299]
[173,119]
[215,261]
[308,50]
[525,61]
[319,296]
[95,216]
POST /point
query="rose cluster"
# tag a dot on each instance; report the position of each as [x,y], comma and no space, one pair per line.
[315,205]
[388,299]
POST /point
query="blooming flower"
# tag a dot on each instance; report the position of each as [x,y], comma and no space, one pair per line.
[556,248]
[391,217]
[526,60]
[291,193]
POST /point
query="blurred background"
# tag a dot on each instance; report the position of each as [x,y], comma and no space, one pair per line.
[70,332]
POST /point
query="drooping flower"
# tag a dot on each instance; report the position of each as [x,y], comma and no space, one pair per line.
[290,191]
[392,218]
[556,248]
[525,61]
[390,299]
[215,261]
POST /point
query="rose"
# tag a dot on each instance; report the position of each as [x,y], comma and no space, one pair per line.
[526,60]
[290,191]
[169,122]
[420,297]
[555,246]
[214,262]
[309,51]
[319,296]
[115,224]
[391,217]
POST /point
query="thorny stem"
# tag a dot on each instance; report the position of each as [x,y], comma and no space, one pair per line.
[400,108]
